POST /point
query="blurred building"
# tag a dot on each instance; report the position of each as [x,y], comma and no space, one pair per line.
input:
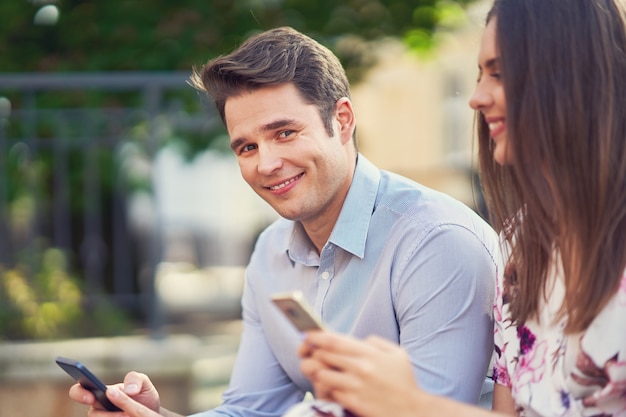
[413,115]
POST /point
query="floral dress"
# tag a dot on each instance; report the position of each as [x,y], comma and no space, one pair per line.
[553,374]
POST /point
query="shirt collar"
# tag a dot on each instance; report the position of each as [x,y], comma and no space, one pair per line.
[350,231]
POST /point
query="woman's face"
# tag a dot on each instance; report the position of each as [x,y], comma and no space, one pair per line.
[488,97]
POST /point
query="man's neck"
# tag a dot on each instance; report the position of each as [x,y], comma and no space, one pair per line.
[319,234]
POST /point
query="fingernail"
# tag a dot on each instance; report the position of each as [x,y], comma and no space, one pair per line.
[131,389]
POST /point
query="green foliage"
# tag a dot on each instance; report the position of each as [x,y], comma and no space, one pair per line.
[48,305]
[100,35]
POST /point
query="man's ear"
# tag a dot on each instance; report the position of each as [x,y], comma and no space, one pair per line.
[346,119]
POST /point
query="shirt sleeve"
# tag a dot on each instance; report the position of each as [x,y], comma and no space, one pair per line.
[444,302]
[259,387]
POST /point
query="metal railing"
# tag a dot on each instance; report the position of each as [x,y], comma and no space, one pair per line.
[66,174]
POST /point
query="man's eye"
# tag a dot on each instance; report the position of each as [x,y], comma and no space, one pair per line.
[495,75]
[285,133]
[247,148]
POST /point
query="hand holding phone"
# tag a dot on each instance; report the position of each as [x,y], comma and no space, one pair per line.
[87,380]
[294,307]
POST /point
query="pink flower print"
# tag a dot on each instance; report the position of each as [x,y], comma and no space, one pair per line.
[531,364]
[500,375]
[526,339]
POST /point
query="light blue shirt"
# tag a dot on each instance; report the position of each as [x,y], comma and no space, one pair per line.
[404,262]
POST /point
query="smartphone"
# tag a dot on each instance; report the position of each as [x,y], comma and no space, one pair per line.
[294,307]
[89,381]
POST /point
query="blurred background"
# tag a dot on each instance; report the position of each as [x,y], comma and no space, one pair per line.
[125,225]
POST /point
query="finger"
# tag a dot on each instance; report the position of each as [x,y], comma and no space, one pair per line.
[330,381]
[339,361]
[305,349]
[81,395]
[311,366]
[388,351]
[321,392]
[312,369]
[382,344]
[130,407]
[135,383]
[338,343]
[349,401]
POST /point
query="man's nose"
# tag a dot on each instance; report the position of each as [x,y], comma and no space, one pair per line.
[269,160]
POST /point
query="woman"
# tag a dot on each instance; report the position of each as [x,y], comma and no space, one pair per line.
[551,109]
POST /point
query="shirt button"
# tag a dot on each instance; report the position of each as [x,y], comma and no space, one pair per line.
[325,275]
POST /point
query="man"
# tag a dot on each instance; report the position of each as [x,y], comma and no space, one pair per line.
[373,253]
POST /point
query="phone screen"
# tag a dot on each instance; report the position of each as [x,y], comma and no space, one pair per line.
[88,380]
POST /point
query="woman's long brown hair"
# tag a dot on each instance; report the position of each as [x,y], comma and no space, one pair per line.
[563,67]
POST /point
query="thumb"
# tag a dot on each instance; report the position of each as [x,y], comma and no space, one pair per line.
[135,383]
[130,407]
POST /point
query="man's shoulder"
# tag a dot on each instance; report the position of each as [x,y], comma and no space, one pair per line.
[426,207]
[399,191]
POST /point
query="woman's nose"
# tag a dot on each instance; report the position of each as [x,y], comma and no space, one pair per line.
[480,98]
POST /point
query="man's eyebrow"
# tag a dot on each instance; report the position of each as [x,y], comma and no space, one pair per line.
[277,124]
[236,143]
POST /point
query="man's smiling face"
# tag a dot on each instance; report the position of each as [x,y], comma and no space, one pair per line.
[286,155]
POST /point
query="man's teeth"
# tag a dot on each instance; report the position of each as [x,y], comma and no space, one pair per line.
[284,184]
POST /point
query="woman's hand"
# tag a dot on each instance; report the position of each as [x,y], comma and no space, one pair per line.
[371,377]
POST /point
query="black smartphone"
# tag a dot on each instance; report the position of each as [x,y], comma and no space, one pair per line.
[294,307]
[88,380]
